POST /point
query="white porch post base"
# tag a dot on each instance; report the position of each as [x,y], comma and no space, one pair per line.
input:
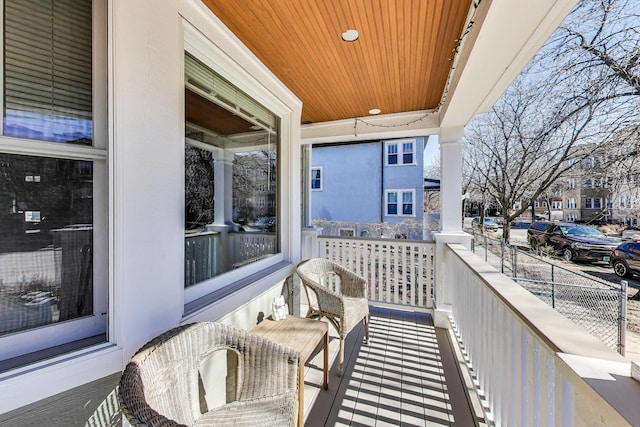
[310,242]
[441,317]
[443,297]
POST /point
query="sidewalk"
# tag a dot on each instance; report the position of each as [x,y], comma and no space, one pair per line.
[632,346]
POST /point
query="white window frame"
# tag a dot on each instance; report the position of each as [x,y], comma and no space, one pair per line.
[320,170]
[399,193]
[41,338]
[556,204]
[196,43]
[399,144]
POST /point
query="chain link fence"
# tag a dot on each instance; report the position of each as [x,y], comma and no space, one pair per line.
[598,306]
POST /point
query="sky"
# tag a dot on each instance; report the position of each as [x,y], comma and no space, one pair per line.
[432,151]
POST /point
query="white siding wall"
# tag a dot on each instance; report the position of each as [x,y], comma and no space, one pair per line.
[146,132]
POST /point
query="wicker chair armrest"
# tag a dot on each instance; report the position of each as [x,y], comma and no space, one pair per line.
[268,368]
[328,300]
[133,403]
[352,285]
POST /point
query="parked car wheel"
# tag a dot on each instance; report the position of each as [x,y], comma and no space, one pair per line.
[567,254]
[620,268]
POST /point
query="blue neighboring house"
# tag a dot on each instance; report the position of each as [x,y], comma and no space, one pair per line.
[369,182]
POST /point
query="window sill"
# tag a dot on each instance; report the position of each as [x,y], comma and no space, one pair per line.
[55,374]
[220,294]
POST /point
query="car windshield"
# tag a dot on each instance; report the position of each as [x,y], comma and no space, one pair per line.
[581,230]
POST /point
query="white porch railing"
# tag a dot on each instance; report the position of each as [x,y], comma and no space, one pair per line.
[201,257]
[399,272]
[210,253]
[532,366]
[248,247]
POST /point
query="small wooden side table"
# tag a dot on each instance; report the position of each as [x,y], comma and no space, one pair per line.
[302,335]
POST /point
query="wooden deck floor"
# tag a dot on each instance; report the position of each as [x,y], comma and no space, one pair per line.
[406,376]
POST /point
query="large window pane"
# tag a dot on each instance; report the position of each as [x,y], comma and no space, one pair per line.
[46,241]
[231,176]
[48,70]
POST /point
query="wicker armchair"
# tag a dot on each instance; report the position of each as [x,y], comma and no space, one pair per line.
[160,385]
[337,294]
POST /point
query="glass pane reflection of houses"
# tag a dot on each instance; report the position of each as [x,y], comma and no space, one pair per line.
[46,241]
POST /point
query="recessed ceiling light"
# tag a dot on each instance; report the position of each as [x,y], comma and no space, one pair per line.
[374,111]
[350,35]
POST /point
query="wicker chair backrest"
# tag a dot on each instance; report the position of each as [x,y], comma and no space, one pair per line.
[164,373]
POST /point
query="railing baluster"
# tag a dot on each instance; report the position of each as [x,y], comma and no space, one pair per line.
[397,272]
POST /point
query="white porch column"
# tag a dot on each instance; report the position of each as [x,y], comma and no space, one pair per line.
[451,179]
[223,203]
[450,219]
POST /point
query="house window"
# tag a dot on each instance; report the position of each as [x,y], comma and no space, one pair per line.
[556,204]
[392,154]
[407,156]
[571,183]
[588,183]
[407,153]
[625,202]
[347,232]
[589,163]
[571,203]
[316,178]
[570,217]
[592,203]
[225,166]
[609,203]
[53,209]
[400,202]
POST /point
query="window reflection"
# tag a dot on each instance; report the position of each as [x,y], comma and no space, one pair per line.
[46,241]
[231,176]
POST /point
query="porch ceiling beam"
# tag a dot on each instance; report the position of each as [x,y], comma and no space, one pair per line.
[413,123]
[507,34]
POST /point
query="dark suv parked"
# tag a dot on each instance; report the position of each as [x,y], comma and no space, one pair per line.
[572,241]
[625,259]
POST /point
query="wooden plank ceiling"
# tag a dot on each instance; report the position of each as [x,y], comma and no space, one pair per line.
[399,63]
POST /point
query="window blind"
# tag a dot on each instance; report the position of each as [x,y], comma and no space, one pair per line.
[204,81]
[48,67]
